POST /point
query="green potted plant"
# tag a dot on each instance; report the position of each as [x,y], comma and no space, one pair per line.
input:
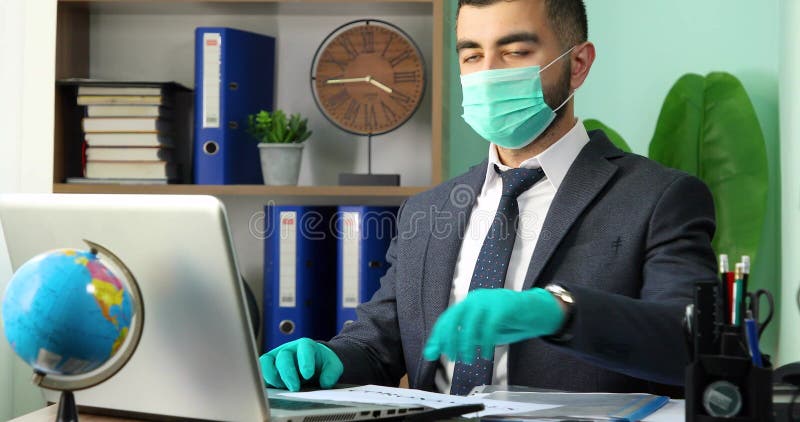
[280,141]
[709,128]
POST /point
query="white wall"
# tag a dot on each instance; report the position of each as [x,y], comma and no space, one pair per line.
[159,45]
[9,112]
[27,40]
[643,47]
[790,155]
[160,40]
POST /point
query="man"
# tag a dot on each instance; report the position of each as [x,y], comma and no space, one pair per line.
[560,262]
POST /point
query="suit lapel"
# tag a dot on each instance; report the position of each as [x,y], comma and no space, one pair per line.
[447,225]
[587,176]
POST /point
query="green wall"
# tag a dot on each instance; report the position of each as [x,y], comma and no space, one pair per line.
[643,47]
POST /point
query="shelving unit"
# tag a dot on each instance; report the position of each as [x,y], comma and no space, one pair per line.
[74,59]
[387,192]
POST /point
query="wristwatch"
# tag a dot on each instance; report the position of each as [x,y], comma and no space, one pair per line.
[568,302]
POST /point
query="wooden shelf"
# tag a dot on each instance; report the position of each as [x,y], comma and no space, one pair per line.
[247,1]
[73,57]
[245,190]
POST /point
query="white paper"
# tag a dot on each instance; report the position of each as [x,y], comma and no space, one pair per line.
[374,394]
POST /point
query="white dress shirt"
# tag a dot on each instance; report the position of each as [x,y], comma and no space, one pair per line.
[533,205]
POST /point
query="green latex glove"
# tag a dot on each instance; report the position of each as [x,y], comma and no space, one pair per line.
[490,317]
[280,365]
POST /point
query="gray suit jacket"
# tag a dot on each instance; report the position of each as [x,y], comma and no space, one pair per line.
[627,236]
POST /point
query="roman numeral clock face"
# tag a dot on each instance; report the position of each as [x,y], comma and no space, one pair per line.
[368,77]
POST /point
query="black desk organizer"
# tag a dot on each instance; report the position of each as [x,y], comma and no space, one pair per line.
[735,366]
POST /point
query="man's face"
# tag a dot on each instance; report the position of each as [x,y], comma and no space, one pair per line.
[511,34]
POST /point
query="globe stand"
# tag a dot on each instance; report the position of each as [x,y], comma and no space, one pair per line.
[67,411]
[369,179]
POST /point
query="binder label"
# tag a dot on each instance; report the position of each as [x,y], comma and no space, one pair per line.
[287,290]
[212,77]
[351,243]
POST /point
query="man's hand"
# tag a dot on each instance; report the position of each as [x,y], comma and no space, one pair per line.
[489,317]
[280,365]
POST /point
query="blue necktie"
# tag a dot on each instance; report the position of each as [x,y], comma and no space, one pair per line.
[492,266]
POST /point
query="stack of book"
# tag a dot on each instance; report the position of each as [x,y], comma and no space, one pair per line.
[129,133]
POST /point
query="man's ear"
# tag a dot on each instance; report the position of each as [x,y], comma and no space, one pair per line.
[582,59]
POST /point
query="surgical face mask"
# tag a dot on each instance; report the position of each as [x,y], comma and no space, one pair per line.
[506,106]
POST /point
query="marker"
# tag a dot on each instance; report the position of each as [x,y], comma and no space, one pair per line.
[724,264]
[730,289]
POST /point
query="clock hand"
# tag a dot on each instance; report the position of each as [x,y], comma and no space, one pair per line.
[347,81]
[379,85]
[356,80]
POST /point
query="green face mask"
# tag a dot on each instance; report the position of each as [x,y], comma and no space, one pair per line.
[506,106]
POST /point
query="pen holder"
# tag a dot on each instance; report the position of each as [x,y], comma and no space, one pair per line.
[728,388]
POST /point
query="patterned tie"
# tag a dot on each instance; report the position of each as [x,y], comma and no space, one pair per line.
[492,265]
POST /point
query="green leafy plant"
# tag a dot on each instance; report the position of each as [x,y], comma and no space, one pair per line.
[709,128]
[276,128]
[616,138]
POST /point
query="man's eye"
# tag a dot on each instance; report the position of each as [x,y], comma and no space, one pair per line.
[520,53]
[471,59]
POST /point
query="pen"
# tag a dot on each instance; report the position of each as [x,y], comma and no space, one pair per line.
[738,295]
[445,412]
[751,332]
[745,273]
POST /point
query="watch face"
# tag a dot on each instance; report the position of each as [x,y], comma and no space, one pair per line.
[368,77]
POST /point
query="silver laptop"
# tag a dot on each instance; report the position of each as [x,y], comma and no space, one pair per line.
[197,358]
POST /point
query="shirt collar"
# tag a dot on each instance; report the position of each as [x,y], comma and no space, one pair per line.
[554,161]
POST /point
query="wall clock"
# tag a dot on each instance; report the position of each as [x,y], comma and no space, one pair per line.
[368,79]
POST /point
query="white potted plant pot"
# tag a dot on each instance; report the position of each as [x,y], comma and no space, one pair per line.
[280,163]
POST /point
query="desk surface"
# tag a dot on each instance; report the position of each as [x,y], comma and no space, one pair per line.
[49,413]
[672,412]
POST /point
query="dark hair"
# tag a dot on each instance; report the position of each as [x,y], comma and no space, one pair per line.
[567,18]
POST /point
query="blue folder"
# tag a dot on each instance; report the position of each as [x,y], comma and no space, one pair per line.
[364,235]
[299,268]
[234,77]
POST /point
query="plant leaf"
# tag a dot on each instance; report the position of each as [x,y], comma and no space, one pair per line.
[278,128]
[279,125]
[258,126]
[294,122]
[708,128]
[302,131]
[263,119]
[616,138]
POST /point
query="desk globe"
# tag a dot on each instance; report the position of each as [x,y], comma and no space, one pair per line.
[68,316]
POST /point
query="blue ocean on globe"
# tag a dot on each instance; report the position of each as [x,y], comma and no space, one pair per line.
[66,313]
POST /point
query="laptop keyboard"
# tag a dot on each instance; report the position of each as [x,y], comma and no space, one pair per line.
[283,404]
